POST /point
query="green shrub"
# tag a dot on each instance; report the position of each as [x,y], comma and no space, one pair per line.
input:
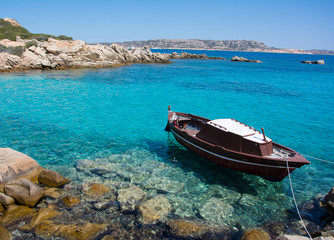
[31,43]
[63,37]
[12,50]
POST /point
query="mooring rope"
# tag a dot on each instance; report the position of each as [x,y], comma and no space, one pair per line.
[319,159]
[294,199]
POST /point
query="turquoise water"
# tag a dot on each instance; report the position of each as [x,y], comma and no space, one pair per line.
[117,116]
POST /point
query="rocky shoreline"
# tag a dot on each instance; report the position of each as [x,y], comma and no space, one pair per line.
[37,203]
[61,54]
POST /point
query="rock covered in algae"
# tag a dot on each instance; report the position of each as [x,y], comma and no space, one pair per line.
[88,231]
[24,192]
[42,215]
[5,234]
[97,190]
[52,193]
[1,208]
[52,178]
[191,229]
[15,213]
[155,209]
[70,201]
[255,234]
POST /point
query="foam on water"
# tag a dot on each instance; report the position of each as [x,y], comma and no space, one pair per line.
[116,118]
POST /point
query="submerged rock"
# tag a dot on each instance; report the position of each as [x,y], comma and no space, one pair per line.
[42,215]
[195,229]
[130,198]
[14,214]
[51,178]
[70,201]
[24,192]
[97,190]
[52,193]
[155,209]
[255,234]
[5,234]
[88,231]
[215,210]
[15,165]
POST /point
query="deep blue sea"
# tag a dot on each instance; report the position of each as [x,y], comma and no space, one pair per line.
[119,114]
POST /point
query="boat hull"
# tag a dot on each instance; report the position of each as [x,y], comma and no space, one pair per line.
[268,168]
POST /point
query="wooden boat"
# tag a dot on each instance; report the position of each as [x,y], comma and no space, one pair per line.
[234,145]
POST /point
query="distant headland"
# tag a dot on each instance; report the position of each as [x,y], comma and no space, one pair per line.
[220,45]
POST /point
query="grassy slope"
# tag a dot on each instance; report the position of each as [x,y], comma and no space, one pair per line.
[7,31]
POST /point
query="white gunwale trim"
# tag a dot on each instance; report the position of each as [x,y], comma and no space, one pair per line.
[227,158]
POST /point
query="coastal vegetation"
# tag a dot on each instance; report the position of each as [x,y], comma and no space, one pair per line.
[10,31]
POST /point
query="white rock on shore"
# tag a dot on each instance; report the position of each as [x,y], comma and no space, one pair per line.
[67,54]
[15,165]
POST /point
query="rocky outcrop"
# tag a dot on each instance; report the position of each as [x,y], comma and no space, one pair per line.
[76,54]
[185,55]
[15,165]
[13,22]
[314,62]
[242,59]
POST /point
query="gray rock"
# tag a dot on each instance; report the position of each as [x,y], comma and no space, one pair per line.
[130,198]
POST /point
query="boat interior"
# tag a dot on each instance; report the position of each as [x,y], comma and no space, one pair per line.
[231,134]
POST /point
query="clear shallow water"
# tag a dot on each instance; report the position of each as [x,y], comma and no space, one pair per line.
[116,117]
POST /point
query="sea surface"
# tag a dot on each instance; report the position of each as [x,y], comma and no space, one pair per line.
[117,116]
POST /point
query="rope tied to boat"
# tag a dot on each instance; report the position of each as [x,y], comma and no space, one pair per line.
[294,199]
[319,159]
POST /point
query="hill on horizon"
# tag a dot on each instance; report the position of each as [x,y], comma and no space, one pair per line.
[221,45]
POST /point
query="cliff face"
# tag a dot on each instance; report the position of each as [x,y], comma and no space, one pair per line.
[76,54]
[221,45]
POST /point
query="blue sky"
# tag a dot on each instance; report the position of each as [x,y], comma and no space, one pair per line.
[300,24]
